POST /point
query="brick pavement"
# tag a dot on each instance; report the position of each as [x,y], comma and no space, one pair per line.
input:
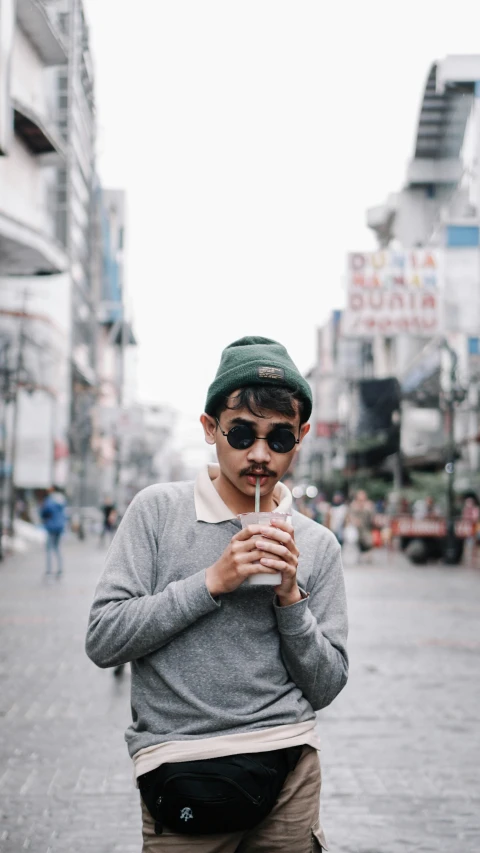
[401,744]
[65,776]
[400,749]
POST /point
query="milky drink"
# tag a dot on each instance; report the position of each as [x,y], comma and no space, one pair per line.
[264,518]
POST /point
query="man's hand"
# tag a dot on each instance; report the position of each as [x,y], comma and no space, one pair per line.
[281,553]
[239,561]
[258,549]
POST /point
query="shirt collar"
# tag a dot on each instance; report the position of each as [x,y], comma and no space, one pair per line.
[210,507]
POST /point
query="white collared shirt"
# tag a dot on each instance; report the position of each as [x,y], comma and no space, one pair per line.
[210,507]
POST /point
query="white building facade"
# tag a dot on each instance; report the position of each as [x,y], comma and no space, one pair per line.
[76,227]
[115,345]
[34,291]
[439,210]
[419,293]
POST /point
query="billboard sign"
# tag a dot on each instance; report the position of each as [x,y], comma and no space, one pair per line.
[34,446]
[391,292]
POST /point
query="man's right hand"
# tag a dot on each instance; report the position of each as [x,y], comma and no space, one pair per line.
[239,561]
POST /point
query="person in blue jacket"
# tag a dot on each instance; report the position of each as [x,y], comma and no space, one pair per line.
[52,513]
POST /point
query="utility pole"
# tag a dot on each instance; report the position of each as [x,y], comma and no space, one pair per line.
[118,497]
[5,372]
[17,378]
[451,397]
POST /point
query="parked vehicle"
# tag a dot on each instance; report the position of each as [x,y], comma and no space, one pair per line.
[424,539]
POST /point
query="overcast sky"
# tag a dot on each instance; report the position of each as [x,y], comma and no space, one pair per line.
[250,138]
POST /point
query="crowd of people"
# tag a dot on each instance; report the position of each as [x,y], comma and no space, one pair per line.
[352,521]
[358,522]
[366,524]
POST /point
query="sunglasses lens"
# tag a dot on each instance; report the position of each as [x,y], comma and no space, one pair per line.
[241,437]
[281,440]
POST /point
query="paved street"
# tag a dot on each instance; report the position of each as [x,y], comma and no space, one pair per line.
[401,745]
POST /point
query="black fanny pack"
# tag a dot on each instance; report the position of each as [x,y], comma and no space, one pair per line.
[228,794]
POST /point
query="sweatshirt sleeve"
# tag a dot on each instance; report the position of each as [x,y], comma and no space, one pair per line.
[127,620]
[314,631]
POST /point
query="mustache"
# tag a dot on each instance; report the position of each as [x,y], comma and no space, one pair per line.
[259,471]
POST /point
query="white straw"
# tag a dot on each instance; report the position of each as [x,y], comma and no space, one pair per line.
[257,495]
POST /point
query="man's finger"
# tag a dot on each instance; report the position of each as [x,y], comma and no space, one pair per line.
[275,533]
[284,525]
[246,545]
[272,547]
[253,556]
[248,532]
[257,570]
[279,566]
[280,536]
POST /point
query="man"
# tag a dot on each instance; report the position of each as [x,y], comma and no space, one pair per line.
[361,514]
[337,516]
[52,513]
[226,674]
[109,512]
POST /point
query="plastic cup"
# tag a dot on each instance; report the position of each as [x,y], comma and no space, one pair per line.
[265,518]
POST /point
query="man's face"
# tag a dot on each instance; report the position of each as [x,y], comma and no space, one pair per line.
[242,467]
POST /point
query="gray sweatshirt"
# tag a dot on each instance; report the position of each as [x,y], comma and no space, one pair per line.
[203,667]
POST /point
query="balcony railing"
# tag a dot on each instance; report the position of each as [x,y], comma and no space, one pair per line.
[39,28]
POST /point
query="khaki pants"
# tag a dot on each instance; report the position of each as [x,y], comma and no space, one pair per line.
[293,826]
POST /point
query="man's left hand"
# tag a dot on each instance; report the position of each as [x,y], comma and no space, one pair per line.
[281,554]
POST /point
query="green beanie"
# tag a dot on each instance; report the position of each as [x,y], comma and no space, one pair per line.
[256,361]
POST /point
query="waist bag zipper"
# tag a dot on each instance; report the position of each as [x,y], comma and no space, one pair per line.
[254,800]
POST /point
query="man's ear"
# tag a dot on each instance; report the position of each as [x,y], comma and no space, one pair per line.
[304,429]
[209,428]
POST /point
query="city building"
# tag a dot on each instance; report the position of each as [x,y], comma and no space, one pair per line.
[76,229]
[34,262]
[115,371]
[63,339]
[341,363]
[414,304]
[148,455]
[439,207]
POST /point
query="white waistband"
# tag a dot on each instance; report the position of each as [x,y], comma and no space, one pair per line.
[263,740]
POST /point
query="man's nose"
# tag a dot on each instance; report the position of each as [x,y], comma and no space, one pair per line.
[259,451]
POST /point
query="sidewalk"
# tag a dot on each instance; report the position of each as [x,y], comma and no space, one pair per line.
[401,744]
[65,778]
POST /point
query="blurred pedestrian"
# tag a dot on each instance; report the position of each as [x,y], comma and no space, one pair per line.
[227,674]
[426,508]
[52,513]
[109,524]
[306,508]
[360,515]
[470,511]
[337,516]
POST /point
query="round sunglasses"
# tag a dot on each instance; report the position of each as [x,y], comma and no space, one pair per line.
[242,436]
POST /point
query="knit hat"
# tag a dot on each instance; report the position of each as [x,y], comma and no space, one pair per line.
[256,361]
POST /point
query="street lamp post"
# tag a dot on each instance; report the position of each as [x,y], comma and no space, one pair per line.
[5,394]
[450,543]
